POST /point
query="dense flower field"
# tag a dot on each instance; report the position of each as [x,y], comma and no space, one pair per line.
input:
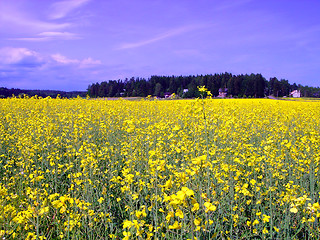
[183,169]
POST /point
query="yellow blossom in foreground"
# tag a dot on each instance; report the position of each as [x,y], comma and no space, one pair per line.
[195,207]
[265,218]
[176,225]
[293,210]
[95,168]
[126,235]
[197,221]
[209,207]
[127,224]
[179,213]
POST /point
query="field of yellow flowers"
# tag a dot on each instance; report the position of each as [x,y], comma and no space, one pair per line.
[151,169]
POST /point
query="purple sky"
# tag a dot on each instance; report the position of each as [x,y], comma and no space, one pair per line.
[67,45]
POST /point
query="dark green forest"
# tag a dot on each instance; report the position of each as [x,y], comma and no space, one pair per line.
[253,85]
[8,92]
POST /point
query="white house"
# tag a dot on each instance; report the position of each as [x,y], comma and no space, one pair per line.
[295,94]
[223,92]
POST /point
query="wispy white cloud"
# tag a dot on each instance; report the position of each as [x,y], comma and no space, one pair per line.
[33,24]
[168,34]
[63,59]
[25,68]
[49,36]
[63,8]
[64,35]
[83,63]
[19,20]
[16,18]
[89,62]
[21,56]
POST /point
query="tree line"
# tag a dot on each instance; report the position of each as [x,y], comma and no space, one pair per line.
[253,85]
[9,92]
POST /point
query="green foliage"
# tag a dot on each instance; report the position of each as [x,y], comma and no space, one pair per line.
[254,85]
[6,92]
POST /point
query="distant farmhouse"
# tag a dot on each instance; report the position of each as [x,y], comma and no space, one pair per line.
[295,94]
[167,94]
[223,92]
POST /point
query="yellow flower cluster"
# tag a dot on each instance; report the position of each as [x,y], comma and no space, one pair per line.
[189,169]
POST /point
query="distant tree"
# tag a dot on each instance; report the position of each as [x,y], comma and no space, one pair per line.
[247,86]
[259,85]
[275,88]
[192,90]
[294,86]
[231,86]
[158,89]
[284,87]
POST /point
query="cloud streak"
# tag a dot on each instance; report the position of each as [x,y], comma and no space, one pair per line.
[14,56]
[14,19]
[84,63]
[49,36]
[63,8]
[165,35]
[25,68]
